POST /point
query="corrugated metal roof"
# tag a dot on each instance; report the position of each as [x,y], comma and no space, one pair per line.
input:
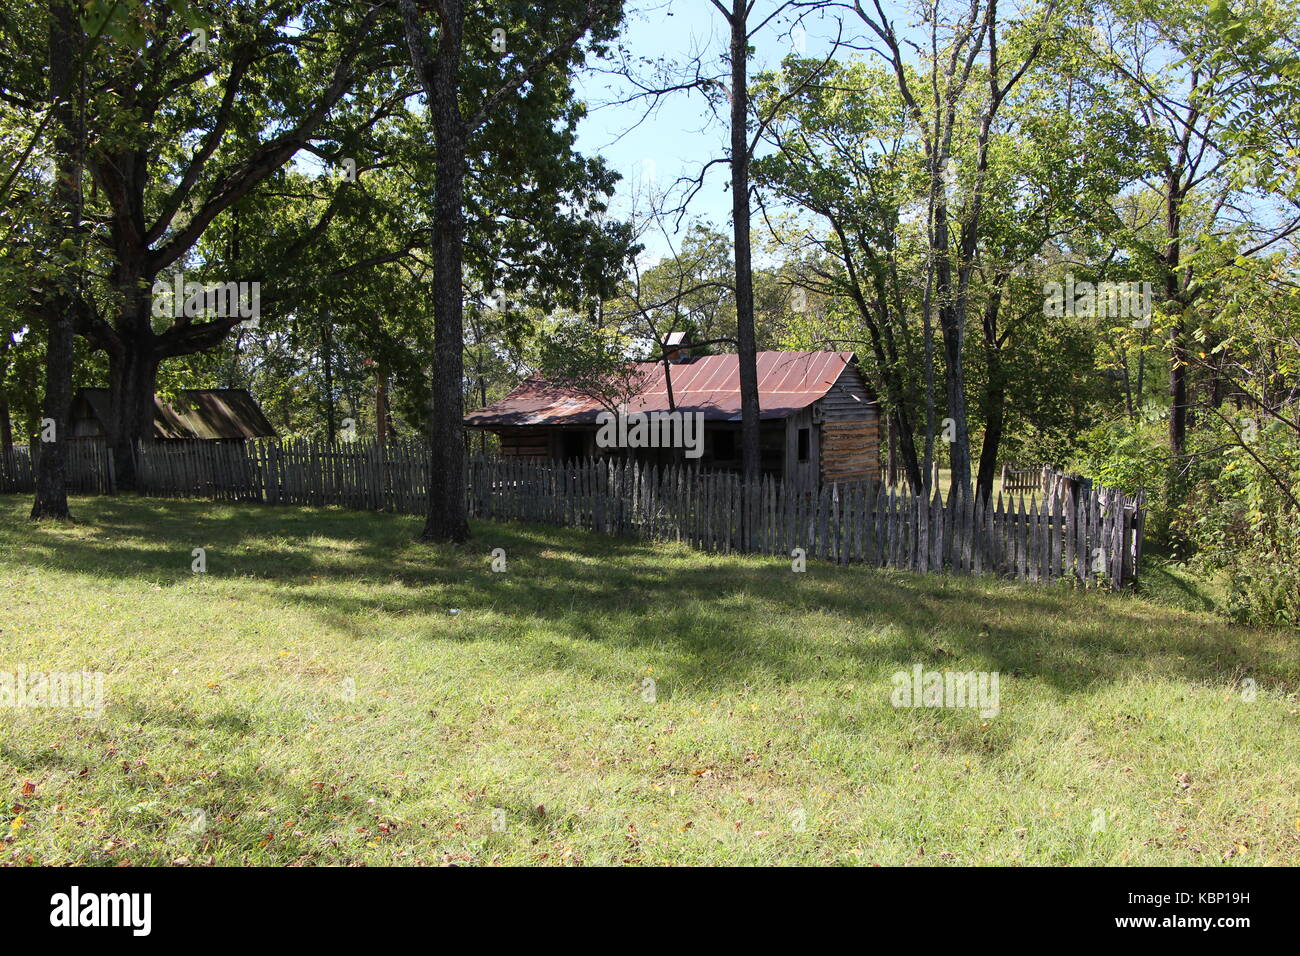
[208,413]
[787,383]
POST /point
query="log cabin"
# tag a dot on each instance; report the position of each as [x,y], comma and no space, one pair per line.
[819,420]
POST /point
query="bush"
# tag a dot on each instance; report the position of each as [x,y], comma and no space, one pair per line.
[1132,456]
[1243,524]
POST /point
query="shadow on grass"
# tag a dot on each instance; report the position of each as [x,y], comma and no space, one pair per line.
[569,596]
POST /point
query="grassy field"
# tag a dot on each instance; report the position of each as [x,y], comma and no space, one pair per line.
[331,692]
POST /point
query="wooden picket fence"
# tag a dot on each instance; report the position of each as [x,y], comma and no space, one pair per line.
[1094,537]
[357,475]
[1090,534]
[16,473]
[88,464]
[1016,480]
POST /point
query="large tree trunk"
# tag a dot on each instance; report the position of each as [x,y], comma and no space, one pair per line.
[327,359]
[954,336]
[953,293]
[447,519]
[746,341]
[903,434]
[6,428]
[952,328]
[132,381]
[51,473]
[51,500]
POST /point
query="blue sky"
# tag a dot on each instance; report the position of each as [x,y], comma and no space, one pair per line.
[682,134]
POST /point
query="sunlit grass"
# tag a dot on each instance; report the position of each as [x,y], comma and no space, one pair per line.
[332,692]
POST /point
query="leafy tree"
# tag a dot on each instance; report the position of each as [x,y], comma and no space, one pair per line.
[478,100]
[192,108]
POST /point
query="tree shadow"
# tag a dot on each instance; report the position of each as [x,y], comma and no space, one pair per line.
[709,622]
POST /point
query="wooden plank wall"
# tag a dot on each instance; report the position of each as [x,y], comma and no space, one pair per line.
[525,442]
[850,430]
[850,451]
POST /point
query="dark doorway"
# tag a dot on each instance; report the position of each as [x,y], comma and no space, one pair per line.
[574,445]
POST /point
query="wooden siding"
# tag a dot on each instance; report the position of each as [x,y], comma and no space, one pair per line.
[843,439]
[850,430]
[525,443]
[850,451]
[850,398]
[801,474]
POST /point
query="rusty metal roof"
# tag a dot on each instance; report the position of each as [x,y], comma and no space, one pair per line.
[207,413]
[787,383]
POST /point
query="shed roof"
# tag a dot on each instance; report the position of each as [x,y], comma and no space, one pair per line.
[206,413]
[787,383]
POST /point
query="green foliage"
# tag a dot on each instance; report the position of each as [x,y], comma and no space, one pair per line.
[589,359]
[1131,454]
[1244,524]
[335,227]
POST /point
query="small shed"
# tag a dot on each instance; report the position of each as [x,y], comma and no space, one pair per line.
[819,420]
[197,414]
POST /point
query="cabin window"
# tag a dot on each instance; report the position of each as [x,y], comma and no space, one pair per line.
[724,446]
[805,443]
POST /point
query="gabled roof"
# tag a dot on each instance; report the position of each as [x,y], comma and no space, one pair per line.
[209,413]
[787,383]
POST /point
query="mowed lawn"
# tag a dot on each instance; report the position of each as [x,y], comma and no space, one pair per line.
[332,692]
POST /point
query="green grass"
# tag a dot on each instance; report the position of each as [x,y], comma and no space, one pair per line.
[1169,580]
[771,738]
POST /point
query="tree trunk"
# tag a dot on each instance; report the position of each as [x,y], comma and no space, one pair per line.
[954,335]
[746,343]
[51,500]
[51,473]
[891,442]
[6,424]
[327,356]
[132,381]
[381,405]
[995,404]
[1177,334]
[1177,390]
[447,519]
[995,393]
[1139,402]
[6,428]
[482,400]
[952,328]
